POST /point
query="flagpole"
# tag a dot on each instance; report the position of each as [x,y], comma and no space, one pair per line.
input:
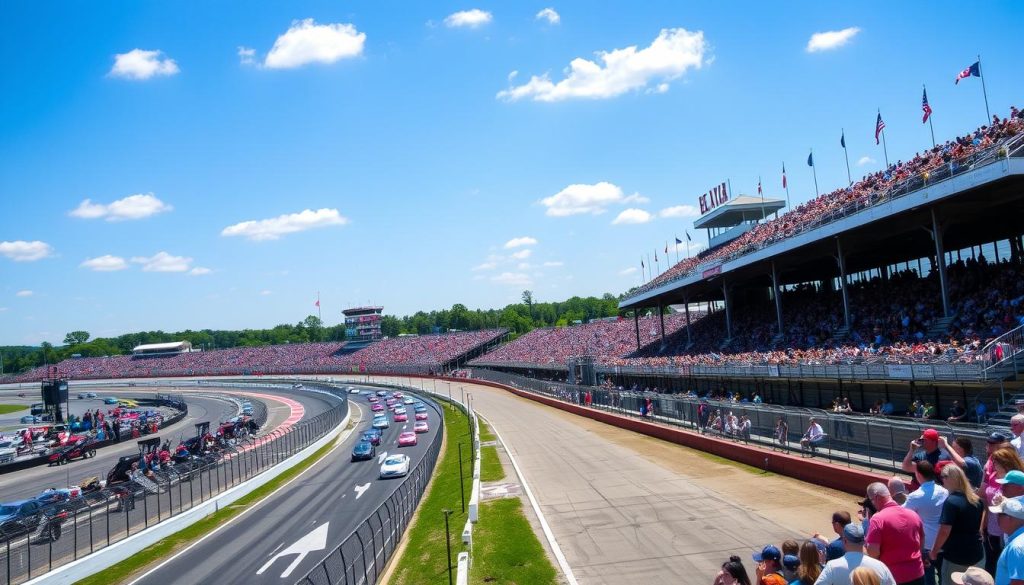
[814,170]
[984,92]
[318,314]
[789,206]
[675,244]
[885,150]
[847,155]
[930,126]
[650,266]
[761,189]
[643,269]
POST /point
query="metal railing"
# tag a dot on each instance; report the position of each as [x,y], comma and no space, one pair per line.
[874,442]
[362,557]
[74,525]
[1010,147]
[1004,352]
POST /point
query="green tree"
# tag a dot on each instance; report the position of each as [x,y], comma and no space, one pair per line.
[76,337]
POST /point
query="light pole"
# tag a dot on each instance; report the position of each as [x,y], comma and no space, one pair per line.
[448,544]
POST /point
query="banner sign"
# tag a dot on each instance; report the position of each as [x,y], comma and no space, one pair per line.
[713,198]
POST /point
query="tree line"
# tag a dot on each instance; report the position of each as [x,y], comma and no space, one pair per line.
[518,318]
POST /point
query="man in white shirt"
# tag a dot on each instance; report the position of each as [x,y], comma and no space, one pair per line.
[927,501]
[837,572]
[1017,428]
[813,436]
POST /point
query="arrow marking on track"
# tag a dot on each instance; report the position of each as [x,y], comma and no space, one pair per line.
[361,488]
[382,457]
[314,541]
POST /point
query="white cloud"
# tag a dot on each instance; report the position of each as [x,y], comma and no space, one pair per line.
[139,64]
[553,264]
[106,263]
[468,18]
[632,216]
[865,160]
[513,74]
[274,228]
[522,254]
[163,262]
[549,15]
[833,39]
[512,279]
[265,293]
[247,55]
[679,211]
[524,266]
[490,265]
[670,55]
[137,206]
[22,251]
[581,198]
[308,42]
[199,271]
[23,293]
[628,271]
[519,242]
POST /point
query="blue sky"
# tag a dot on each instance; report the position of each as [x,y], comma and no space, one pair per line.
[238,158]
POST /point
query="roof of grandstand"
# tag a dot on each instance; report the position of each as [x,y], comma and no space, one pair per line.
[738,210]
[156,347]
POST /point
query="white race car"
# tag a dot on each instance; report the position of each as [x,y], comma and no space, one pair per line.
[395,466]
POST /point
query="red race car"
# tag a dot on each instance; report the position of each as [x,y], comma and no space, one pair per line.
[421,416]
[421,427]
[407,439]
[401,418]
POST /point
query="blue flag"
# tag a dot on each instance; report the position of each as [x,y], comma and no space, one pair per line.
[678,241]
[842,140]
[810,160]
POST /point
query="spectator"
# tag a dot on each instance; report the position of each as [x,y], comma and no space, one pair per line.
[839,571]
[927,501]
[813,437]
[834,550]
[745,427]
[972,576]
[888,408]
[782,432]
[733,573]
[769,566]
[1010,566]
[897,489]
[963,447]
[1017,428]
[957,413]
[865,576]
[958,536]
[790,569]
[1012,484]
[810,563]
[1002,460]
[928,444]
[895,537]
[980,412]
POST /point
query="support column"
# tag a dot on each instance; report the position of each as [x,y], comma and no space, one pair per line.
[940,254]
[686,306]
[728,310]
[661,317]
[842,283]
[636,323]
[778,297]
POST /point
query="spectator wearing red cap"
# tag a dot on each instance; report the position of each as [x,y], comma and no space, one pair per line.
[926,448]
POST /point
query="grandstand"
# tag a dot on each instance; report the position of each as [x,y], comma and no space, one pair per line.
[171,347]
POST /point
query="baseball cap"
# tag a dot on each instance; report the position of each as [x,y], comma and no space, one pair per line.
[1016,477]
[1010,506]
[853,533]
[768,553]
[790,562]
[997,437]
[930,435]
[972,576]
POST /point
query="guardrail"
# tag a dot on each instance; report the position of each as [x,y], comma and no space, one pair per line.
[78,524]
[873,442]
[362,557]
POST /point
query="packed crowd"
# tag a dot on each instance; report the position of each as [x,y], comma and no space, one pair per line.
[429,350]
[869,190]
[958,521]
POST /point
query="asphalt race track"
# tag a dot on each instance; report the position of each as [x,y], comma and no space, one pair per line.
[285,535]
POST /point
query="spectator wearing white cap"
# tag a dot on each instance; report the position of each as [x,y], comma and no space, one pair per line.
[973,576]
[1010,566]
[1017,428]
[838,571]
[927,501]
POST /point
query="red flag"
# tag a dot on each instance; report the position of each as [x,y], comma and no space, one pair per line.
[317,303]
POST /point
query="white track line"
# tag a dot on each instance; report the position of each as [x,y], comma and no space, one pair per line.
[555,549]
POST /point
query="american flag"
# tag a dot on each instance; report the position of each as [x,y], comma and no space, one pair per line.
[879,126]
[783,176]
[759,192]
[924,106]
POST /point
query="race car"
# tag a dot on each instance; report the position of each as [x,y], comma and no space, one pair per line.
[363,451]
[398,410]
[80,448]
[30,419]
[28,517]
[401,418]
[420,407]
[372,436]
[407,439]
[352,390]
[398,395]
[110,400]
[380,422]
[421,426]
[377,407]
[395,466]
[421,416]
[408,400]
[381,393]
[374,399]
[391,402]
[84,395]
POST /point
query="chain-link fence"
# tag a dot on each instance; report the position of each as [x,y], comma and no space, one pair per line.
[61,526]
[870,441]
[363,555]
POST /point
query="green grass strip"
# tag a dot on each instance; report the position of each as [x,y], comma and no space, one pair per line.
[486,435]
[9,408]
[490,466]
[122,571]
[505,548]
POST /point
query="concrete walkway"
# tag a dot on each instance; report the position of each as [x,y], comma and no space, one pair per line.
[626,508]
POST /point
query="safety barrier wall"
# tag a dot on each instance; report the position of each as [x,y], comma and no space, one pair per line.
[116,514]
